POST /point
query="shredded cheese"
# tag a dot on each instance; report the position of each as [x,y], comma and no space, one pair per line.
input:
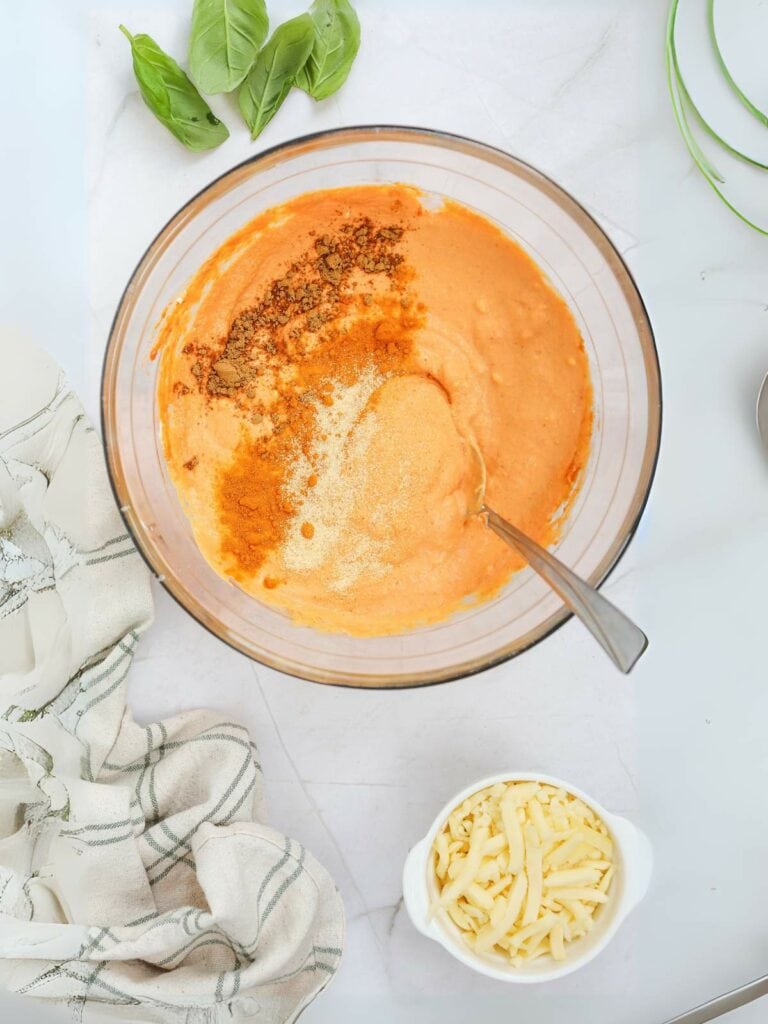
[521,868]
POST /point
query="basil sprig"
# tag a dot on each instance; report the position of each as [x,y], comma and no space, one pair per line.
[274,73]
[172,97]
[224,40]
[337,40]
[314,51]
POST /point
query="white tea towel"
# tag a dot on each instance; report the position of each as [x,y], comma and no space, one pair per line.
[137,879]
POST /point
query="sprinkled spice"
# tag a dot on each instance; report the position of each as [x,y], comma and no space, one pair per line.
[339,312]
[313,292]
[342,433]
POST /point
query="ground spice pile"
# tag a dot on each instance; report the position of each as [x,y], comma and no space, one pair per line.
[339,311]
[314,291]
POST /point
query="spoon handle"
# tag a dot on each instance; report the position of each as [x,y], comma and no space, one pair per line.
[618,635]
[725,1003]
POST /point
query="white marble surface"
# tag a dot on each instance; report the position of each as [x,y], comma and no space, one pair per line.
[577,88]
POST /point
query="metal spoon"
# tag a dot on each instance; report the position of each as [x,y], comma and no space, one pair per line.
[619,636]
[724,1004]
[762,411]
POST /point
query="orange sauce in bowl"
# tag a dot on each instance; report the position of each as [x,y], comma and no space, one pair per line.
[323,380]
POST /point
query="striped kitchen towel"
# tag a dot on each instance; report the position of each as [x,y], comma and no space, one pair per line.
[138,881]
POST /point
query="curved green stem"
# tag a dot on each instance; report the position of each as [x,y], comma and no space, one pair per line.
[711,131]
[679,96]
[743,98]
[674,75]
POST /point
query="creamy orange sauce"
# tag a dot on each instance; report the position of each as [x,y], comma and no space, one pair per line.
[363,527]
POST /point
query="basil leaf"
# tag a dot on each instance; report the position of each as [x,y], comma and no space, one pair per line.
[337,40]
[270,79]
[171,96]
[224,40]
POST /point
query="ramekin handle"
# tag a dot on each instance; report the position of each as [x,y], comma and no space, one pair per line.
[415,893]
[638,857]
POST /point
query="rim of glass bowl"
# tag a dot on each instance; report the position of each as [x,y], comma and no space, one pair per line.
[392,133]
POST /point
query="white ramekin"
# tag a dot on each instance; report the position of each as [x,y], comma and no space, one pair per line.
[634,863]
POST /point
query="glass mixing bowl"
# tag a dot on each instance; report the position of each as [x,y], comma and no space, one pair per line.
[583,266]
